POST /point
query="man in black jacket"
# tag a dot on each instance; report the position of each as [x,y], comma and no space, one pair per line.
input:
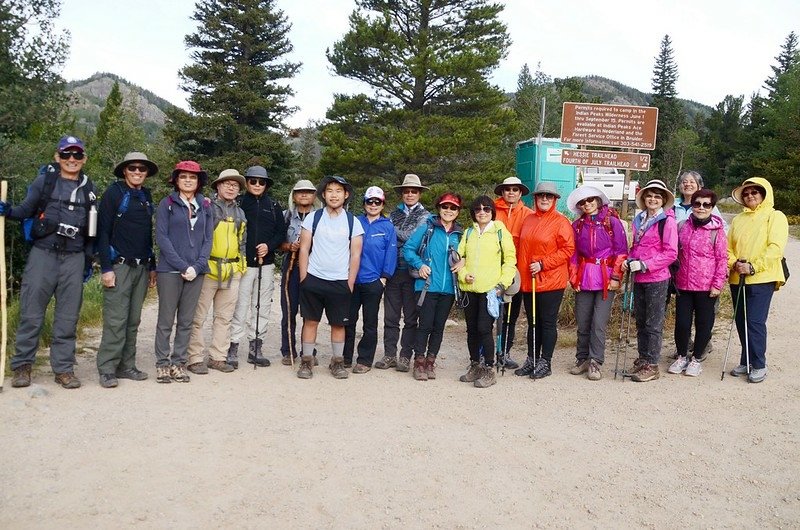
[266,230]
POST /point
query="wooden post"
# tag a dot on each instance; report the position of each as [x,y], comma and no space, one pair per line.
[3,291]
[625,191]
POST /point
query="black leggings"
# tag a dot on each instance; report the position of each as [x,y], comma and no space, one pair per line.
[548,304]
[480,329]
[701,306]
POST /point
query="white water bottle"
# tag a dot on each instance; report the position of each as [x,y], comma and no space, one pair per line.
[92,228]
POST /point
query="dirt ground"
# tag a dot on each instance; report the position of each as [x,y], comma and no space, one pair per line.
[261,448]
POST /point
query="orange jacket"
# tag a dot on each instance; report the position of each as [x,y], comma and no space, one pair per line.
[547,237]
[512,217]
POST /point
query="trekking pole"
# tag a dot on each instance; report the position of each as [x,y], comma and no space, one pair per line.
[629,308]
[744,310]
[500,365]
[288,306]
[533,315]
[3,311]
[258,308]
[623,299]
[506,325]
[730,331]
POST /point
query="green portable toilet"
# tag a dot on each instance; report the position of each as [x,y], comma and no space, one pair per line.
[540,160]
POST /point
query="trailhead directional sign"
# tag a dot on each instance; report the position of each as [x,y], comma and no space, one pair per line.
[580,157]
[609,125]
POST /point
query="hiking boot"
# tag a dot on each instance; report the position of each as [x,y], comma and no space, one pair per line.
[542,369]
[22,376]
[739,371]
[233,355]
[222,366]
[198,368]
[487,378]
[638,364]
[527,367]
[68,380]
[581,367]
[134,374]
[510,363]
[693,369]
[419,369]
[386,363]
[178,373]
[337,368]
[348,364]
[757,375]
[361,369]
[162,374]
[403,364]
[430,364]
[648,372]
[679,365]
[472,374]
[108,380]
[595,374]
[254,354]
[305,371]
[287,360]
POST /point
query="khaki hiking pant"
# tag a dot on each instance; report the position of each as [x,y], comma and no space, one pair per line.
[224,300]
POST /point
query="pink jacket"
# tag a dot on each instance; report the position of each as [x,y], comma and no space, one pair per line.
[702,267]
[656,252]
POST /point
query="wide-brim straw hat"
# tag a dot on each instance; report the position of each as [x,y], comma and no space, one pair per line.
[547,187]
[511,181]
[304,185]
[229,174]
[135,156]
[584,192]
[736,194]
[655,184]
[411,181]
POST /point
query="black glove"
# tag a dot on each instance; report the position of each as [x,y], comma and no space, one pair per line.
[5,208]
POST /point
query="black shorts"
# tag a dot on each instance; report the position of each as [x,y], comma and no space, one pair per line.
[331,295]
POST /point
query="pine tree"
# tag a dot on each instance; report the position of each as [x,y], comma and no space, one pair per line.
[787,58]
[109,114]
[723,136]
[671,115]
[237,86]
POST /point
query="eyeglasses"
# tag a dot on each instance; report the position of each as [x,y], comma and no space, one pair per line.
[77,155]
[257,182]
[448,206]
[373,202]
[546,196]
[748,193]
[585,201]
[704,205]
[515,189]
[413,191]
[140,169]
[485,209]
[230,184]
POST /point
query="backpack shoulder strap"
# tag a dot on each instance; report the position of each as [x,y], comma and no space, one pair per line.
[351,219]
[317,217]
[50,177]
[661,224]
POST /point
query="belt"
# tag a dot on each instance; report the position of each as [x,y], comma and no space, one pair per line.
[225,260]
[133,262]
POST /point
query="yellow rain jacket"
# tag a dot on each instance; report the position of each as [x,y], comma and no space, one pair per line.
[228,242]
[482,253]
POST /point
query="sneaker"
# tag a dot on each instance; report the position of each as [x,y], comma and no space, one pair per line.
[134,374]
[403,364]
[232,358]
[162,374]
[472,374]
[595,374]
[542,369]
[647,372]
[510,363]
[487,378]
[348,364]
[198,368]
[527,367]
[430,365]
[178,373]
[68,380]
[386,363]
[108,380]
[757,375]
[419,369]
[739,371]
[679,365]
[693,369]
[581,367]
[305,371]
[22,376]
[361,368]
[222,366]
[337,368]
[287,360]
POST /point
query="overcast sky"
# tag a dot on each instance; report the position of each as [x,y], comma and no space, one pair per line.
[721,46]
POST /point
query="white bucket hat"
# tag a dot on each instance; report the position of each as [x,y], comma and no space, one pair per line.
[584,192]
[411,181]
[511,181]
[655,184]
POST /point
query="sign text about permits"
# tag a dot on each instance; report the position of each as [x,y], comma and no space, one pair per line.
[609,125]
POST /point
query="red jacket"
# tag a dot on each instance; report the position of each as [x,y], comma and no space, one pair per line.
[547,237]
[512,217]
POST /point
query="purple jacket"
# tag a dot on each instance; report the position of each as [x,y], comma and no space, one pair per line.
[593,243]
[657,254]
[702,267]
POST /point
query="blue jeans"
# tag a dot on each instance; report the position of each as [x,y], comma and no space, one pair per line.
[755,301]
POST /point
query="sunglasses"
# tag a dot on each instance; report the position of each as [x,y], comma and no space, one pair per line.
[512,188]
[412,191]
[748,193]
[585,201]
[373,202]
[77,155]
[257,182]
[547,196]
[704,205]
[479,209]
[134,167]
[448,206]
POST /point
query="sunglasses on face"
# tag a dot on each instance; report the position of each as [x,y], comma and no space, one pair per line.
[515,189]
[585,201]
[451,207]
[412,191]
[373,202]
[77,155]
[748,193]
[546,196]
[484,209]
[704,205]
[141,169]
[257,182]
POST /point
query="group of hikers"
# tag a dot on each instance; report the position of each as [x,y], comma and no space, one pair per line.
[216,253]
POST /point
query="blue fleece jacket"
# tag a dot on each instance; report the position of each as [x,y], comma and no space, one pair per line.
[379,251]
[180,245]
[435,255]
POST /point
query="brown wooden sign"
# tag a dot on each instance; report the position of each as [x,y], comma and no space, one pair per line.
[632,161]
[609,125]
